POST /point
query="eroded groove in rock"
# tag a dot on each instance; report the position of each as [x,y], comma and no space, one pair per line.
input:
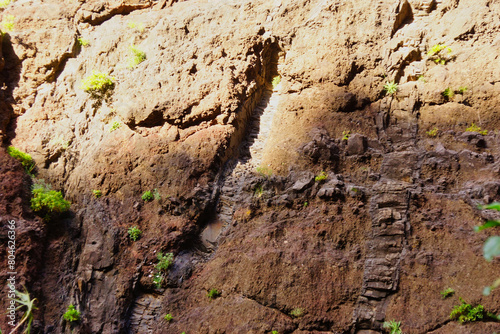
[249,157]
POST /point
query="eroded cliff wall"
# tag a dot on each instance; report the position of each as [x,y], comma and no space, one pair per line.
[234,161]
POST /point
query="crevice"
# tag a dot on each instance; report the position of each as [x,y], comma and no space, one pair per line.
[59,64]
[244,154]
[267,306]
[97,18]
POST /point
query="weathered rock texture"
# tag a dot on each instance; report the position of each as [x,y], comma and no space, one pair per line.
[377,240]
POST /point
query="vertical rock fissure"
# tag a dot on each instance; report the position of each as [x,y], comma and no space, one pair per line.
[248,158]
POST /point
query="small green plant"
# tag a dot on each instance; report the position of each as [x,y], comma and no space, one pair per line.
[448,93]
[158,280]
[136,26]
[259,190]
[297,312]
[264,171]
[25,301]
[475,128]
[212,294]
[272,332]
[306,204]
[156,194]
[346,135]
[462,90]
[448,292]
[8,23]
[466,313]
[72,314]
[115,126]
[134,233]
[3,4]
[99,85]
[440,54]
[147,196]
[276,81]
[322,176]
[433,132]
[168,317]
[82,41]
[97,193]
[393,326]
[421,78]
[25,159]
[138,57]
[47,200]
[164,261]
[390,87]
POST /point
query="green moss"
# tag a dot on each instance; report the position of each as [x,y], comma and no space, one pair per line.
[83,42]
[321,176]
[115,126]
[168,317]
[276,81]
[8,23]
[213,294]
[25,159]
[164,261]
[47,200]
[97,193]
[147,196]
[447,293]
[432,133]
[466,313]
[134,233]
[4,3]
[346,135]
[72,314]
[440,54]
[475,128]
[138,57]
[99,85]
[297,312]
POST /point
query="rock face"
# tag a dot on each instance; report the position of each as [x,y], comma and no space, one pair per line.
[325,205]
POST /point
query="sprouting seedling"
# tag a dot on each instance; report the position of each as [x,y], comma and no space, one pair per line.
[115,126]
[346,135]
[83,42]
[390,87]
[448,93]
[440,53]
